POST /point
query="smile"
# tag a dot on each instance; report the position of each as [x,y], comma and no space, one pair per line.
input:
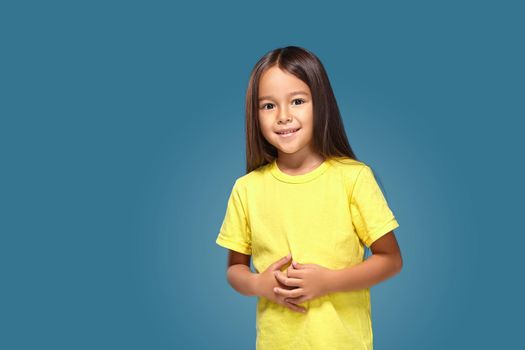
[288,134]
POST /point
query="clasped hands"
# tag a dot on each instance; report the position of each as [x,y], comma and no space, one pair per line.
[300,283]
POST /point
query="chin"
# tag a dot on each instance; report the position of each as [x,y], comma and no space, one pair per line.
[289,150]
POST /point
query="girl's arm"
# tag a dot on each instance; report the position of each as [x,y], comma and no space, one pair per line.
[239,275]
[385,262]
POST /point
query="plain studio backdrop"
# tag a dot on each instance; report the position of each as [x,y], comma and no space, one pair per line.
[122,131]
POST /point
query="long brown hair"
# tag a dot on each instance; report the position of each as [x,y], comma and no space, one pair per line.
[329,136]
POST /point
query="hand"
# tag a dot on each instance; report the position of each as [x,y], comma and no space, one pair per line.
[311,280]
[266,282]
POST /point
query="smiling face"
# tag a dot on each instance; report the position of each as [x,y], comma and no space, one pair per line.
[285,103]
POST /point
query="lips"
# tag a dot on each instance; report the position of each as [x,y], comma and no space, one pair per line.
[287,131]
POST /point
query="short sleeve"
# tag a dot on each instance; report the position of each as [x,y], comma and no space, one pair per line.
[235,231]
[371,216]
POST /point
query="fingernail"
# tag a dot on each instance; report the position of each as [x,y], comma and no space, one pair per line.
[275,289]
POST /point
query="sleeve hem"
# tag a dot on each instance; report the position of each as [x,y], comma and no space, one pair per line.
[380,232]
[237,246]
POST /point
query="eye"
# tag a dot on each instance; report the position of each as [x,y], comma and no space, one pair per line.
[266,104]
[271,104]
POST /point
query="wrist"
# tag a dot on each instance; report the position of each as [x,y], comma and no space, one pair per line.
[332,284]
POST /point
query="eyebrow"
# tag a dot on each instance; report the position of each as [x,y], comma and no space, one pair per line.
[290,94]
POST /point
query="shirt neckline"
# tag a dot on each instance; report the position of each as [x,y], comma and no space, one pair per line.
[312,174]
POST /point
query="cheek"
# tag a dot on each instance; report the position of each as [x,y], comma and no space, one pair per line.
[266,130]
[307,135]
[307,130]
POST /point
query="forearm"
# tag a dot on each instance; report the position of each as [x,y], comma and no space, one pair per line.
[366,274]
[242,279]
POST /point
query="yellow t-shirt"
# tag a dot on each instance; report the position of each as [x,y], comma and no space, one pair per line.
[322,217]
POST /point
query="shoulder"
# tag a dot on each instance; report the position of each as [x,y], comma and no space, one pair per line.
[252,178]
[254,175]
[349,168]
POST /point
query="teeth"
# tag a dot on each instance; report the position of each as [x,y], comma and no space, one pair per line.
[288,132]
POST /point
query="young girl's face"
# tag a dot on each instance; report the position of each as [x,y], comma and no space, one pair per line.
[285,103]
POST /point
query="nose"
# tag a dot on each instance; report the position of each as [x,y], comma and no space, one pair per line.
[284,116]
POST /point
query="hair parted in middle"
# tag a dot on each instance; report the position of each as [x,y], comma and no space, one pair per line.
[329,136]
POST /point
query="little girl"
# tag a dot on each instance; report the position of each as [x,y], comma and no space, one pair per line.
[305,204]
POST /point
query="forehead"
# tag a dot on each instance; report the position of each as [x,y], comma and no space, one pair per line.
[277,83]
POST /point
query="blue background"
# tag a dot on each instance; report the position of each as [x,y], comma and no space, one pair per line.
[122,133]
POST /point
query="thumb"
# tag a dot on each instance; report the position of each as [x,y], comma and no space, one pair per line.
[281,262]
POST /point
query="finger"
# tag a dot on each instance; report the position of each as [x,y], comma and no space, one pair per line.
[281,262]
[292,271]
[294,307]
[293,282]
[283,286]
[296,265]
[295,273]
[291,293]
[296,301]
